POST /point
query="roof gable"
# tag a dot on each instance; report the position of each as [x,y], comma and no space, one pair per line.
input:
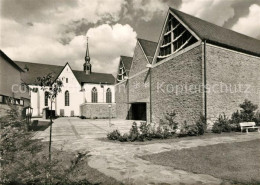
[219,35]
[10,61]
[175,36]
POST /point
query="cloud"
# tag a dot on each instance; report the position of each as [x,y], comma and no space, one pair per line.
[250,24]
[107,43]
[31,44]
[215,11]
[148,8]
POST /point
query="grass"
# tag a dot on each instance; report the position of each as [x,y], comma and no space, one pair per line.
[237,162]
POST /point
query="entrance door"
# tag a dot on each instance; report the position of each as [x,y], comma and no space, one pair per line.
[139,111]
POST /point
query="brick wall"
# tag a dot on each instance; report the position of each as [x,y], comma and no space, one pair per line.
[97,110]
[232,77]
[121,101]
[176,86]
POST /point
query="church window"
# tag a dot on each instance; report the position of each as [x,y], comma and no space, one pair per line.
[67,80]
[67,98]
[175,38]
[108,96]
[94,95]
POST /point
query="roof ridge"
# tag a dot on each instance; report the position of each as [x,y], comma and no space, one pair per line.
[200,19]
[40,63]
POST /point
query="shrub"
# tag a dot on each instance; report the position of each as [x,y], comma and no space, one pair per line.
[168,120]
[247,112]
[145,130]
[201,125]
[256,118]
[114,135]
[134,132]
[188,130]
[222,124]
[123,138]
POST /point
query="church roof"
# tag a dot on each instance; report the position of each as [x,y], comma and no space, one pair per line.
[10,61]
[218,35]
[149,48]
[39,70]
[127,61]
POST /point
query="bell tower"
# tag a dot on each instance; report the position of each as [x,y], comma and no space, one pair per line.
[87,64]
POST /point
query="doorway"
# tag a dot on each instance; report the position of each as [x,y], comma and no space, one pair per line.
[139,111]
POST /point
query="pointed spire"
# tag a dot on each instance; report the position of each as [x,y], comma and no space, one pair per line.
[87,57]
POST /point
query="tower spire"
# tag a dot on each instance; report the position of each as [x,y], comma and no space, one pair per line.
[87,57]
[87,65]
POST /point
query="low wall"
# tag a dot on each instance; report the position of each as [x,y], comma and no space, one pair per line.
[97,110]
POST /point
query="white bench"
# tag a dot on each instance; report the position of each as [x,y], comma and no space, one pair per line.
[247,125]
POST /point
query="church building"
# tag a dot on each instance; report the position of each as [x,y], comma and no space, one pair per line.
[195,68]
[84,93]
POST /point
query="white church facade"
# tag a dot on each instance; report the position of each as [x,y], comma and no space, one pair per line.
[84,93]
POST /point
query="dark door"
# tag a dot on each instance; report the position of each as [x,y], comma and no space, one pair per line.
[139,111]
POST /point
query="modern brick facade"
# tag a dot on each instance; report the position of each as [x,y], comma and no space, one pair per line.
[97,110]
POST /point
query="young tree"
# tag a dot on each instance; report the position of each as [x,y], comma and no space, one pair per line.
[52,87]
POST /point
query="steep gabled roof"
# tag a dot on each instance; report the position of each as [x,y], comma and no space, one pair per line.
[10,61]
[127,61]
[39,70]
[149,48]
[103,78]
[219,35]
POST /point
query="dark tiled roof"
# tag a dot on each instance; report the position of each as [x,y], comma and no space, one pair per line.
[149,47]
[39,70]
[10,61]
[103,78]
[127,61]
[219,35]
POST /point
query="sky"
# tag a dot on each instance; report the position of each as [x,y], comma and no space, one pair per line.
[55,31]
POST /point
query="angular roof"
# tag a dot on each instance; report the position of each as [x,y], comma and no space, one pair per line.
[149,48]
[38,70]
[127,61]
[10,61]
[218,35]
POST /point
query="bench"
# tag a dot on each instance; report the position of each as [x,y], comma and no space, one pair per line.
[247,125]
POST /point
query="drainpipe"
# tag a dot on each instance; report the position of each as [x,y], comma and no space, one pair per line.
[205,80]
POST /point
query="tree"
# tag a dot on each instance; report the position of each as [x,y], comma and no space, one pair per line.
[52,87]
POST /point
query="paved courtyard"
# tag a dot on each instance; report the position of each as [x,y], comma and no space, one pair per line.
[120,160]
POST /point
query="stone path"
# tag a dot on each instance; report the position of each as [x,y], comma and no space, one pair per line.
[121,161]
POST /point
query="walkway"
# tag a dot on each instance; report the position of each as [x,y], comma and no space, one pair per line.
[121,161]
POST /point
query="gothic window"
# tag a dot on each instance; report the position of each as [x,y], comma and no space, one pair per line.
[108,96]
[46,98]
[67,98]
[67,80]
[94,95]
[175,38]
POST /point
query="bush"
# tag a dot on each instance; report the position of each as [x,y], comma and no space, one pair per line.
[247,112]
[168,120]
[124,138]
[114,135]
[201,125]
[221,125]
[188,130]
[134,132]
[256,118]
[145,130]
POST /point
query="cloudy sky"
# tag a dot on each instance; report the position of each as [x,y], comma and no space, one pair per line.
[54,31]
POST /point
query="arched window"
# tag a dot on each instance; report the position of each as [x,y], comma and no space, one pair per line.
[67,98]
[108,96]
[94,94]
[46,98]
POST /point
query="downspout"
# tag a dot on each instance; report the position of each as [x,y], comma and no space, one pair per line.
[150,95]
[205,80]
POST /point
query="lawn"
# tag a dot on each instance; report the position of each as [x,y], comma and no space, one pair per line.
[237,162]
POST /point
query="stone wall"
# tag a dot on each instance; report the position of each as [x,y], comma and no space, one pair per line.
[176,86]
[232,77]
[97,110]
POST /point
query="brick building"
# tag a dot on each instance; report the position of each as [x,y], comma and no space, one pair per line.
[196,67]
